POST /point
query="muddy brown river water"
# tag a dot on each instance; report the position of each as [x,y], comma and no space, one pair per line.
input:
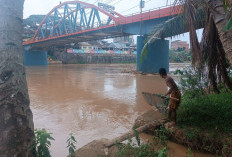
[90,101]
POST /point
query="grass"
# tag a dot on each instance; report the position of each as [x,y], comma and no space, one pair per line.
[208,112]
[145,150]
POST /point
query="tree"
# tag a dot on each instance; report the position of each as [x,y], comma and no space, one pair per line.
[214,46]
[218,12]
[16,120]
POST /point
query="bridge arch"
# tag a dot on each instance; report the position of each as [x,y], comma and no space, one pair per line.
[74,16]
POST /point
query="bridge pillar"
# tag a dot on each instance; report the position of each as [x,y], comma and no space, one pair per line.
[157,56]
[35,58]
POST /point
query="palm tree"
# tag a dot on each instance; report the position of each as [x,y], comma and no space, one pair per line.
[16,121]
[217,9]
[214,46]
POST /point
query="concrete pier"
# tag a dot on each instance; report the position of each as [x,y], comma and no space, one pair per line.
[35,58]
[157,56]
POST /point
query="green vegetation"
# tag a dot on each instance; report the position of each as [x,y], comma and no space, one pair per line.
[71,145]
[145,150]
[180,56]
[204,119]
[33,20]
[189,153]
[200,106]
[207,112]
[227,6]
[136,136]
[161,136]
[42,143]
[129,149]
[204,116]
[200,109]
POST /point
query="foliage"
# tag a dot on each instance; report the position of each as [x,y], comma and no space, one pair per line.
[42,143]
[136,133]
[71,145]
[228,7]
[161,136]
[191,133]
[228,26]
[179,56]
[209,51]
[163,153]
[189,153]
[207,112]
[192,81]
[144,150]
[33,20]
[199,108]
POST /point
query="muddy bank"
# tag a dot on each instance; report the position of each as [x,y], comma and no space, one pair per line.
[201,140]
[94,58]
[97,148]
[190,137]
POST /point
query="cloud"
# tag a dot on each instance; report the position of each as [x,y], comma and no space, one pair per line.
[38,7]
[42,7]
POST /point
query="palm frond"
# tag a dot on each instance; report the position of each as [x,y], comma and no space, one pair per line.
[185,22]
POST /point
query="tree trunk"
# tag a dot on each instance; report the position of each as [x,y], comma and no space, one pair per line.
[16,121]
[223,66]
[220,19]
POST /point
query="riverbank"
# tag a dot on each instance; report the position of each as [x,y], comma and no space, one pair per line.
[204,124]
[151,143]
[166,139]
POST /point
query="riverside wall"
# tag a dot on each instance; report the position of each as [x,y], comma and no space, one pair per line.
[94,58]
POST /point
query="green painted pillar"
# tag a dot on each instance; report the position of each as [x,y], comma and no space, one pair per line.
[35,58]
[157,56]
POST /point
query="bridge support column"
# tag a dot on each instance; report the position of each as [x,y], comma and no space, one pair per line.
[35,58]
[157,56]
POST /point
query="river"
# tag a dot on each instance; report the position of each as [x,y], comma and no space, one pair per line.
[90,101]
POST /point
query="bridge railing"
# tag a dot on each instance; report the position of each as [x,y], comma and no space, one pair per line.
[159,12]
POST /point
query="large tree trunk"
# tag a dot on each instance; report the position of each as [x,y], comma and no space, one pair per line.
[16,121]
[220,19]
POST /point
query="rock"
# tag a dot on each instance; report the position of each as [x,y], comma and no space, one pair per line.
[148,117]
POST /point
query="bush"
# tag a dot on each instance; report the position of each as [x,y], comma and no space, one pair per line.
[193,82]
[207,112]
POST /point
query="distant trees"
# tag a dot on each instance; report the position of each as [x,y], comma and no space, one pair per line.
[180,56]
[16,120]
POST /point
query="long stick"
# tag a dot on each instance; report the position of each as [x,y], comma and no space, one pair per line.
[163,97]
[174,99]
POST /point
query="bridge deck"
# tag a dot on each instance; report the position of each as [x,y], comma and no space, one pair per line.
[103,32]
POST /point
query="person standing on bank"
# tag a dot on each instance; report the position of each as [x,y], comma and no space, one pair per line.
[174,92]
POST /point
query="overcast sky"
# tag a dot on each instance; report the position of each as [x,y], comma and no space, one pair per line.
[125,7]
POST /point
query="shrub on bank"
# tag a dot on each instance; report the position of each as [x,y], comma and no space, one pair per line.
[207,112]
